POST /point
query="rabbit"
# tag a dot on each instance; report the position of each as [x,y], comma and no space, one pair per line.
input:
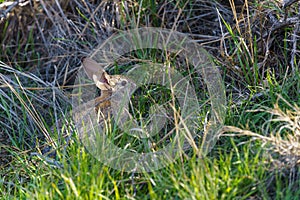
[110,85]
[115,91]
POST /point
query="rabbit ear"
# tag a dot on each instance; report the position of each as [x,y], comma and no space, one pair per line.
[102,82]
[91,67]
[95,72]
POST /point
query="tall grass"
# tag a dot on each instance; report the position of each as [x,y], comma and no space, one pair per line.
[256,157]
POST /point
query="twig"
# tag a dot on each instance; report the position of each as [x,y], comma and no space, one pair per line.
[288,3]
[11,5]
[294,41]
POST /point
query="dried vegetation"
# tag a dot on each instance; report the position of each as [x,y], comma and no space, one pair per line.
[42,43]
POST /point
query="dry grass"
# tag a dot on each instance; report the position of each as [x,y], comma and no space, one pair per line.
[42,43]
[280,138]
[281,133]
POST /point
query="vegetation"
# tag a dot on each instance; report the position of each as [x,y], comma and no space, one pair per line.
[253,43]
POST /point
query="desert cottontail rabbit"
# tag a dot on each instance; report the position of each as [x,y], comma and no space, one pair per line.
[110,85]
[115,93]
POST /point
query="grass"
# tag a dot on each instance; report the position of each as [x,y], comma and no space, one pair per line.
[256,156]
[223,176]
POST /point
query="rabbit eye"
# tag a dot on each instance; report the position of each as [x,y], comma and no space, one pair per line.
[123,83]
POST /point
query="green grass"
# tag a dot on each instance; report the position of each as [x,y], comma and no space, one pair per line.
[240,166]
[225,175]
[236,168]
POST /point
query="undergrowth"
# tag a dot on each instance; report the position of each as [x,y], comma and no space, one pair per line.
[255,47]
